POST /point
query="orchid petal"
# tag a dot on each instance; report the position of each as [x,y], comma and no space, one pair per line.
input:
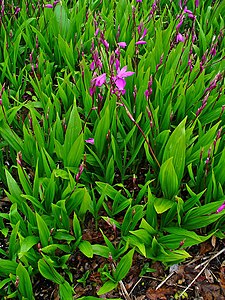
[120,83]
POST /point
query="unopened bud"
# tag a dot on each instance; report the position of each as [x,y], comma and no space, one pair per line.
[19,158]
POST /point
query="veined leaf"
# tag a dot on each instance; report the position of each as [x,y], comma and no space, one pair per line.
[124,266]
[44,232]
[49,272]
[176,148]
[168,179]
[107,287]
[25,285]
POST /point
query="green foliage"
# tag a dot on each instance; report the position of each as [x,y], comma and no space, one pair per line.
[141,151]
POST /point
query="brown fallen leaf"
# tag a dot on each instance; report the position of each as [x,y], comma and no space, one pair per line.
[213,241]
[222,276]
[205,247]
[209,276]
[211,292]
[161,293]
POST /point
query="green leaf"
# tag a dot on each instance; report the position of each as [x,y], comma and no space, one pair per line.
[161,205]
[62,19]
[13,187]
[65,291]
[86,248]
[27,244]
[44,232]
[73,130]
[24,180]
[12,241]
[176,148]
[76,227]
[101,132]
[49,272]
[7,267]
[107,287]
[50,249]
[124,266]
[4,282]
[25,285]
[101,250]
[110,173]
[168,179]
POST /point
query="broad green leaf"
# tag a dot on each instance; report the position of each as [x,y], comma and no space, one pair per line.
[25,285]
[44,232]
[101,132]
[86,248]
[27,244]
[50,249]
[107,287]
[101,250]
[110,173]
[62,19]
[176,148]
[161,205]
[168,179]
[7,267]
[76,227]
[49,272]
[73,130]
[65,291]
[124,266]
[13,242]
[24,180]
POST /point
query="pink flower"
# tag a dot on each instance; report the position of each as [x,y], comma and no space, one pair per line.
[122,44]
[90,141]
[92,66]
[81,169]
[180,23]
[119,79]
[48,5]
[144,34]
[196,3]
[189,12]
[100,80]
[222,207]
[179,38]
[141,42]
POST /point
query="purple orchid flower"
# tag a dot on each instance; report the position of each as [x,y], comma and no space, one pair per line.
[179,38]
[222,207]
[144,34]
[99,80]
[90,141]
[122,44]
[81,169]
[196,3]
[48,6]
[180,22]
[119,79]
[141,42]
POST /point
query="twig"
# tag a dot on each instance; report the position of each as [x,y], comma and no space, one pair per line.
[205,266]
[162,283]
[157,279]
[211,258]
[135,286]
[124,290]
